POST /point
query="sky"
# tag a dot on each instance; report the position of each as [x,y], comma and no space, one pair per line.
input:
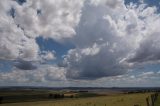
[80,43]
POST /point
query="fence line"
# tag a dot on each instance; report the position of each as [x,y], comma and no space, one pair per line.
[151,101]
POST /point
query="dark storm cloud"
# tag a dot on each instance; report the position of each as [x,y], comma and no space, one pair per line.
[24,65]
[149,50]
[99,48]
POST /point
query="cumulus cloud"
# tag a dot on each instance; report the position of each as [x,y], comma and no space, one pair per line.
[22,22]
[109,37]
[55,19]
[13,42]
[24,65]
[45,73]
[149,50]
[100,47]
[49,18]
[87,64]
[147,79]
[47,55]
[109,3]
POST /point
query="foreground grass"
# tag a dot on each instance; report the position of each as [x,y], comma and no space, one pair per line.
[117,100]
[157,103]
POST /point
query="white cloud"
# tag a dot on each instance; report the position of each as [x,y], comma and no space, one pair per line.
[45,73]
[118,32]
[108,36]
[109,3]
[149,75]
[91,51]
[13,43]
[147,49]
[57,19]
[47,55]
[100,43]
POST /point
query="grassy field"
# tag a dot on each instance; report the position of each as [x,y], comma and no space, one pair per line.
[116,100]
[157,103]
[25,95]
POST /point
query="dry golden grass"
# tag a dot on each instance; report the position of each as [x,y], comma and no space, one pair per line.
[116,100]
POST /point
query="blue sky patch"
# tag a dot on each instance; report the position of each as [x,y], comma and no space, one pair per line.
[6,65]
[51,45]
[148,2]
[20,2]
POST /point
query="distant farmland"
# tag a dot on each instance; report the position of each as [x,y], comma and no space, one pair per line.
[30,96]
[138,99]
